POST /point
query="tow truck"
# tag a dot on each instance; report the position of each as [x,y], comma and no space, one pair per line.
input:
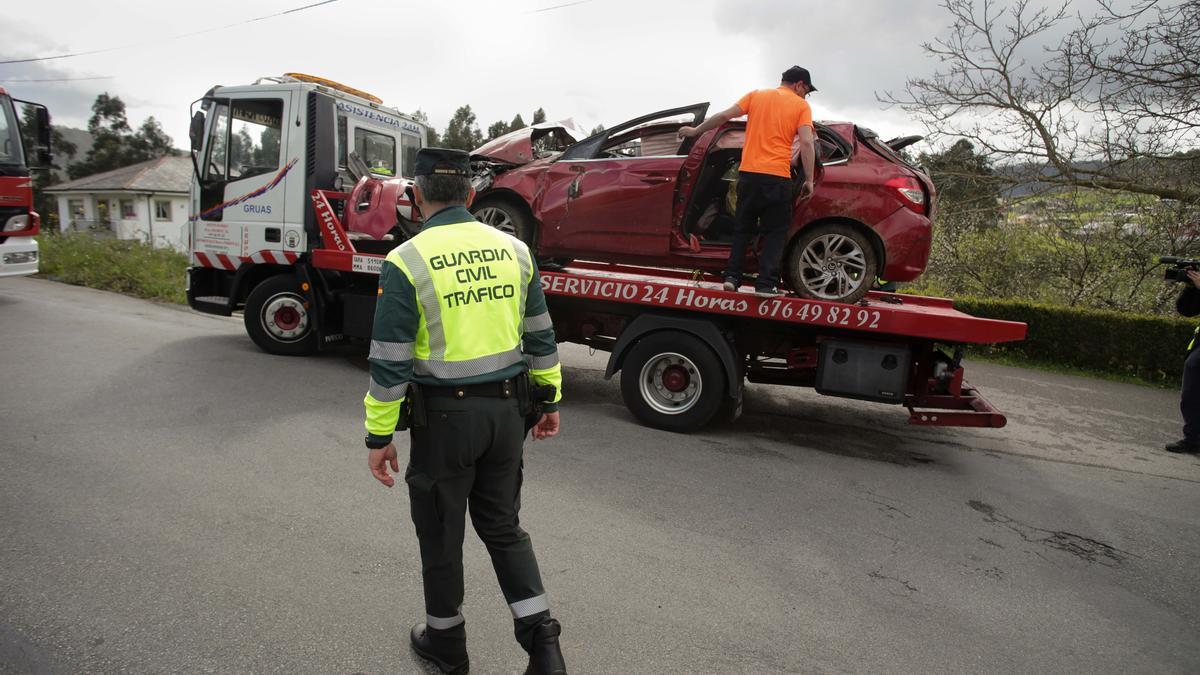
[683,346]
[18,221]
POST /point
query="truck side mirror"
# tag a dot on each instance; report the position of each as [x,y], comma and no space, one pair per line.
[196,131]
[43,137]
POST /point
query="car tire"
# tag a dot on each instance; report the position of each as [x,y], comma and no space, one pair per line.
[832,261]
[506,216]
[278,320]
[671,380]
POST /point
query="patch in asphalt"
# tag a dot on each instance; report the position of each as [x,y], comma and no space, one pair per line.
[1079,546]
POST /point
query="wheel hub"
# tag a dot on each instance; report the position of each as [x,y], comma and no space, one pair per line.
[675,379]
[285,317]
[671,383]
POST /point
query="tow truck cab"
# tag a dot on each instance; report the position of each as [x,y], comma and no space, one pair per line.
[259,151]
[18,221]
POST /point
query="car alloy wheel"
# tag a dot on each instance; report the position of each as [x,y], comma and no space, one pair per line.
[497,218]
[832,267]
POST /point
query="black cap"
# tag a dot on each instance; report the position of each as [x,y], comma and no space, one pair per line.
[798,74]
[442,162]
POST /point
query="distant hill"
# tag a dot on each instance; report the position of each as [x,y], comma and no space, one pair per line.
[83,142]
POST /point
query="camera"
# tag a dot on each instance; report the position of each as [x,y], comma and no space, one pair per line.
[1178,267]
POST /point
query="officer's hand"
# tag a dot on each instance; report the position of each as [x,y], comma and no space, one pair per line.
[378,460]
[1195,277]
[546,427]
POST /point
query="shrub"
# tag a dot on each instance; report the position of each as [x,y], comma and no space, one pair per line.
[129,267]
[1144,346]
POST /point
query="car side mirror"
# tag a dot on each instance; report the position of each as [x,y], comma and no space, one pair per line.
[43,137]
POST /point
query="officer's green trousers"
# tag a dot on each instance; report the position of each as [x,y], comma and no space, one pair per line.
[469,457]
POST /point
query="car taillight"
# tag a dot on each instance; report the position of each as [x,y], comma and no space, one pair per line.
[910,192]
[17,223]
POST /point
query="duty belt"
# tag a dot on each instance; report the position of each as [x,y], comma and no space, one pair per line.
[501,389]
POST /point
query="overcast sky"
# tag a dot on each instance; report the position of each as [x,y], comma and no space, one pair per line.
[598,61]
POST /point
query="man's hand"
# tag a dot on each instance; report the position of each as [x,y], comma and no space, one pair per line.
[546,427]
[1195,277]
[378,460]
[688,132]
[806,190]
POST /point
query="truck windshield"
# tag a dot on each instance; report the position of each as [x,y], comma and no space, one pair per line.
[10,135]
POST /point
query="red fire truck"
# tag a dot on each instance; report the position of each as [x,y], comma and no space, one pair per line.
[305,278]
[18,221]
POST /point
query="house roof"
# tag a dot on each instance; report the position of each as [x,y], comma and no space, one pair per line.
[165,174]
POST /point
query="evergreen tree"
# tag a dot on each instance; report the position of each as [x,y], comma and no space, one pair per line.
[539,116]
[967,185]
[496,130]
[462,133]
[598,129]
[516,123]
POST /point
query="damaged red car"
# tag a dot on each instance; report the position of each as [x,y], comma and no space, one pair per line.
[639,194]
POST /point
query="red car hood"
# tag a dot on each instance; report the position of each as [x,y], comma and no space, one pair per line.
[517,147]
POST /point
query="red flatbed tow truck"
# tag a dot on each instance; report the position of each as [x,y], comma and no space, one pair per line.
[684,346]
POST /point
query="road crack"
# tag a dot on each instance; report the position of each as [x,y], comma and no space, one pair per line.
[1085,548]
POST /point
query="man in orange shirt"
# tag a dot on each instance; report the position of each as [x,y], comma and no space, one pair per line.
[777,117]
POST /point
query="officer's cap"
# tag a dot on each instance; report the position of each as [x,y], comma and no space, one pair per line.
[442,162]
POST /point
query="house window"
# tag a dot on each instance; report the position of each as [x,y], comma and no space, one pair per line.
[162,209]
[377,150]
[75,209]
[127,211]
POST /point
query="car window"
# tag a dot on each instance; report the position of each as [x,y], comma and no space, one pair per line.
[652,135]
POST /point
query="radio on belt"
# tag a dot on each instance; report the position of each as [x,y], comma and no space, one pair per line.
[863,370]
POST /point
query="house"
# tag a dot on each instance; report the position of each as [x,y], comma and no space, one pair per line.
[147,202]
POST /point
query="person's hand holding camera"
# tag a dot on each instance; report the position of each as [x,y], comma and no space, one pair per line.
[1195,277]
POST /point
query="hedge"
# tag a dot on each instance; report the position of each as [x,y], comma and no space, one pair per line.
[129,267]
[1147,347]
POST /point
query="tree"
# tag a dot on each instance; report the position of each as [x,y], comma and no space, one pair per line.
[1114,103]
[462,133]
[598,129]
[539,116]
[516,123]
[967,186]
[496,130]
[114,144]
[431,135]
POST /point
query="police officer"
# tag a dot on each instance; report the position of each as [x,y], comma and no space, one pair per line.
[460,322]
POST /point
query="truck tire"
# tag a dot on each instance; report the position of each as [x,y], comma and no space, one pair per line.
[832,261]
[671,380]
[506,216]
[277,320]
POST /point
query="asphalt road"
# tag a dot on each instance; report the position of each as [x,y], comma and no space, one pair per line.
[171,499]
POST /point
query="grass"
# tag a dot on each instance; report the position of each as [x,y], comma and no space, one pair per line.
[128,267]
[1018,361]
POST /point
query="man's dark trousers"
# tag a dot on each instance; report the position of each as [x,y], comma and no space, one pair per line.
[470,453]
[763,201]
[1189,399]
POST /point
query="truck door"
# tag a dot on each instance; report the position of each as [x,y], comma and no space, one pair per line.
[243,164]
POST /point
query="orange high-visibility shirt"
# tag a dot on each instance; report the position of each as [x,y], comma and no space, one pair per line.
[775,115]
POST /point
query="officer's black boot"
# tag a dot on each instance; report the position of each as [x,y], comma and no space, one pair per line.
[545,656]
[447,649]
[1184,446]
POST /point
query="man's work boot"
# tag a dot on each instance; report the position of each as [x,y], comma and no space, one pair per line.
[1184,446]
[447,649]
[545,658]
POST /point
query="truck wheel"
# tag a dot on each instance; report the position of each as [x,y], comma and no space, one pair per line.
[834,262]
[505,216]
[671,380]
[277,320]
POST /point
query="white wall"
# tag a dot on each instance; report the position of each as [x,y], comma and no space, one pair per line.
[171,232]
